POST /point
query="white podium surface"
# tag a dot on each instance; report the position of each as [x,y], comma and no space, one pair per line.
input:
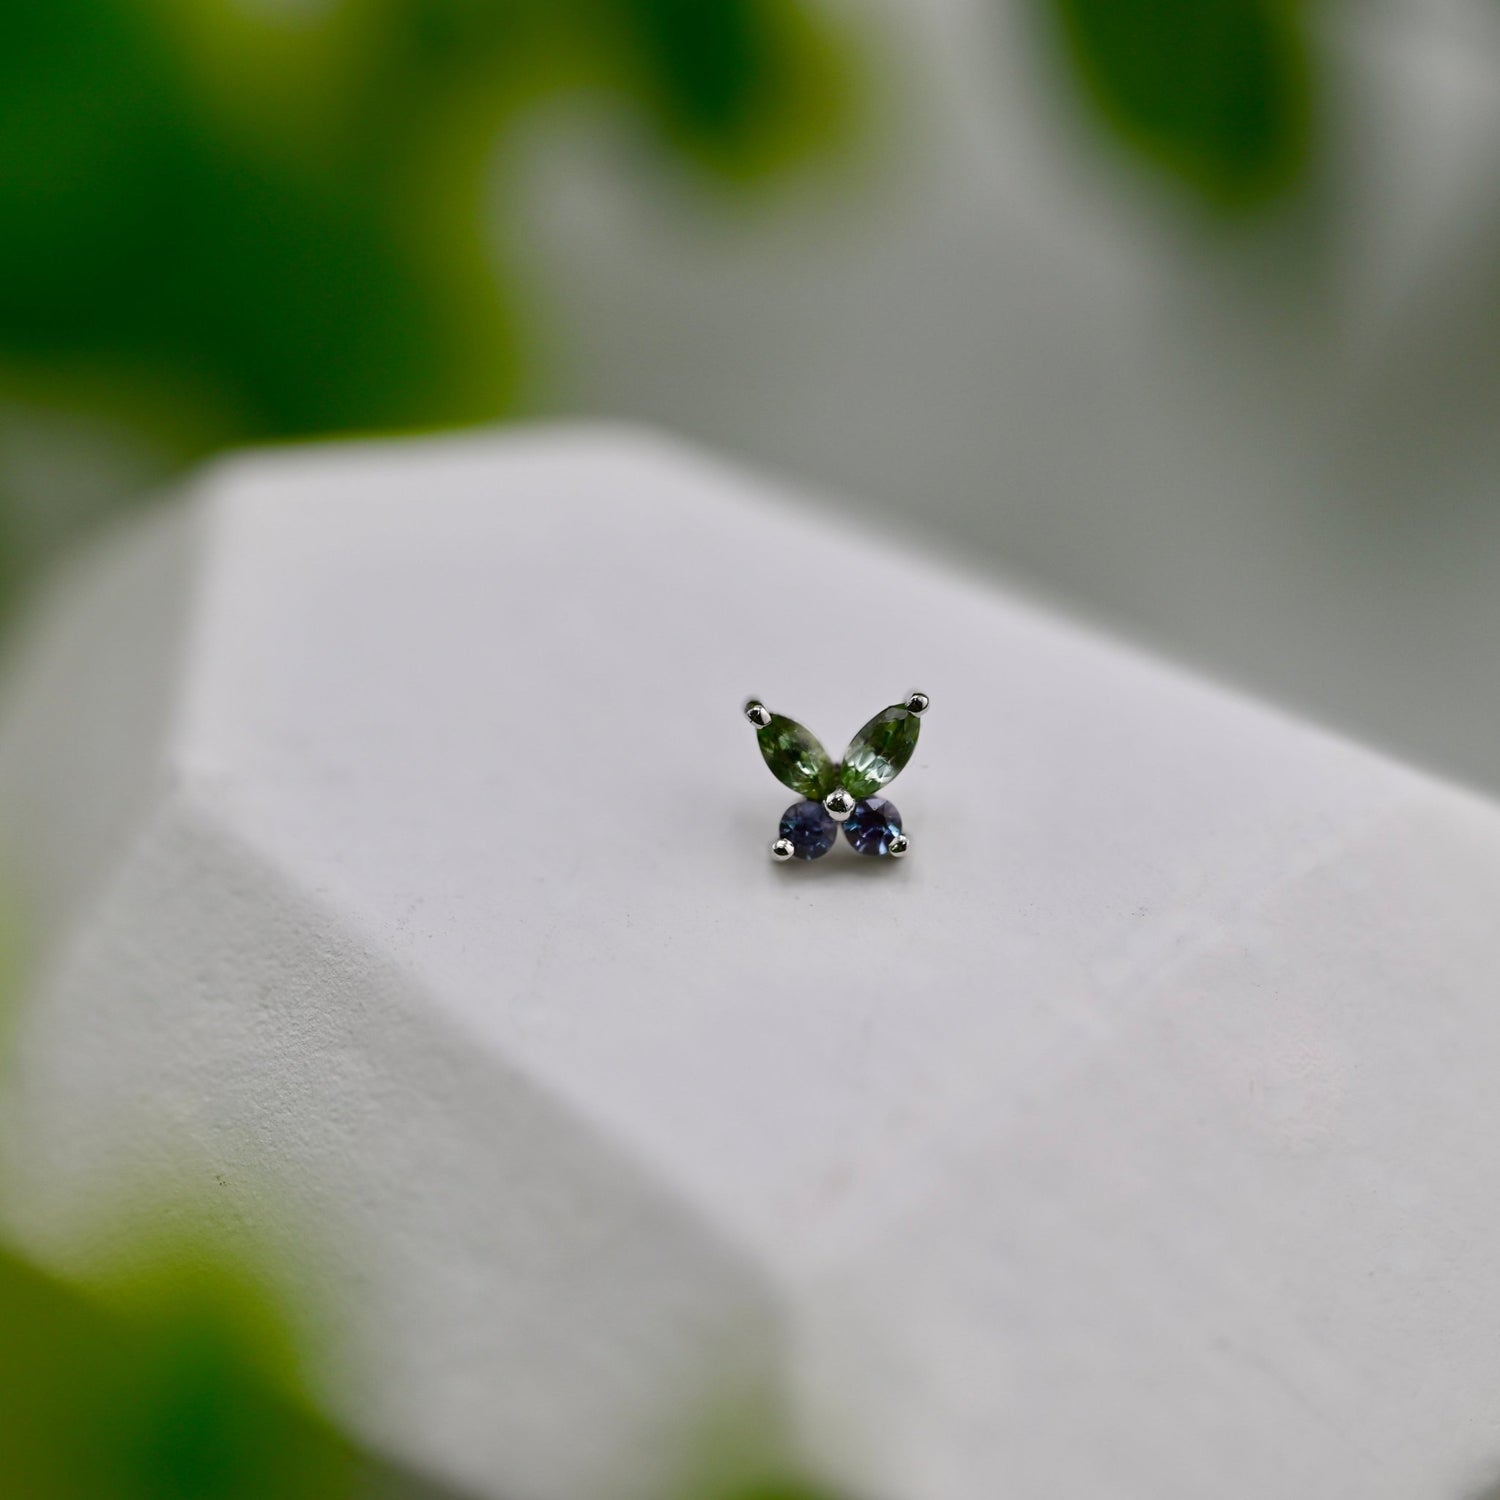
[401,868]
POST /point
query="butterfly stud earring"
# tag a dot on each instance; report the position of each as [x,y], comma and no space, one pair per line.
[844,794]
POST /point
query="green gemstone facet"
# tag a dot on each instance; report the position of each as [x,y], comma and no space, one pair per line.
[880,751]
[796,758]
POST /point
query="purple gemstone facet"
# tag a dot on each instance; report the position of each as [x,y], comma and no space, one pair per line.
[872,825]
[811,831]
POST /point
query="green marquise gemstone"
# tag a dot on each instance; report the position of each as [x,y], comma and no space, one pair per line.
[880,751]
[796,758]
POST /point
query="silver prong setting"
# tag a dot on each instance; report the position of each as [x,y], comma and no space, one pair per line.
[757,712]
[838,804]
[898,846]
[782,850]
[917,703]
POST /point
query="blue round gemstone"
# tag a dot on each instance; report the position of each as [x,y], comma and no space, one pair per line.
[872,825]
[811,831]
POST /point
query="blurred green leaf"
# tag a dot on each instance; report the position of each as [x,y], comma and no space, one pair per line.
[710,60]
[172,1399]
[145,235]
[739,84]
[1214,92]
[226,224]
[296,240]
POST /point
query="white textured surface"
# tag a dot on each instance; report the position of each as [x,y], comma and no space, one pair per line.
[1135,1136]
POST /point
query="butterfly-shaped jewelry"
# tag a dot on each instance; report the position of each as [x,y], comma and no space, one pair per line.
[842,794]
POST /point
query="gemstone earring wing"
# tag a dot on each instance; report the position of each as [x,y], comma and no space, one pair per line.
[843,794]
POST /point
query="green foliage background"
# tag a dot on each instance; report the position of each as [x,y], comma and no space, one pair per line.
[268,229]
[185,1396]
[226,221]
[1216,94]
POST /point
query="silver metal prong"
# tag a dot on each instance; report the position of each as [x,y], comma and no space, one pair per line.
[782,850]
[898,846]
[838,804]
[757,713]
[917,703]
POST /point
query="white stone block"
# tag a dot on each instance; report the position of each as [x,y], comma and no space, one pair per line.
[401,874]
